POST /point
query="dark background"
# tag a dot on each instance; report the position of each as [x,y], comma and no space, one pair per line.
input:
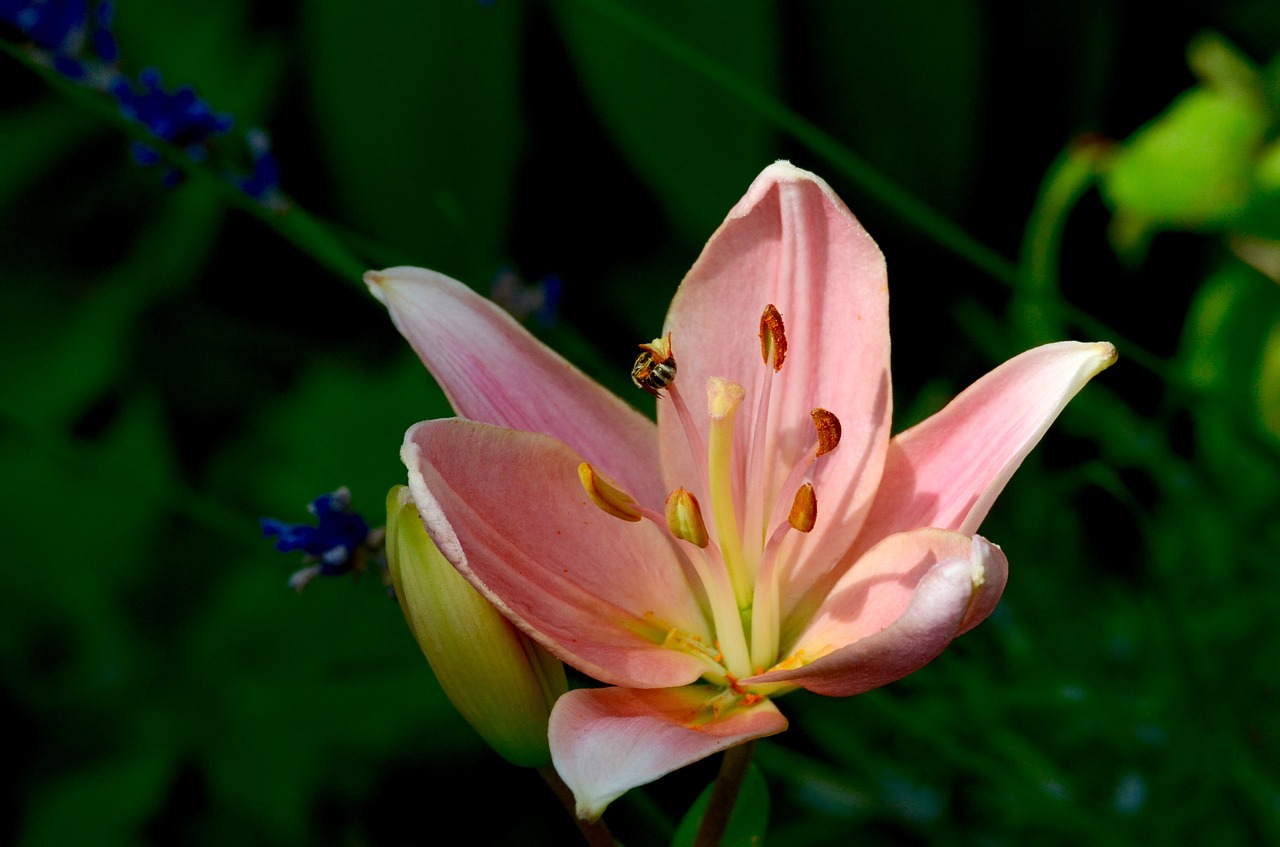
[179,361]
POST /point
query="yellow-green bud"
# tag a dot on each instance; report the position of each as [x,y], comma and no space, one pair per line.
[496,677]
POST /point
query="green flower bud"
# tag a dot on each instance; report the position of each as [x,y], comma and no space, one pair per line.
[502,682]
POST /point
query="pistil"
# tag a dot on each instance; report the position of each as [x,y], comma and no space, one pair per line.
[723,399]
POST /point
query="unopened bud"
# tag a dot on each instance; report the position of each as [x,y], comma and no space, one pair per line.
[503,683]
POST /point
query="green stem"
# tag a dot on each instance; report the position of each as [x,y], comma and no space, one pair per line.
[733,770]
[1066,181]
[594,832]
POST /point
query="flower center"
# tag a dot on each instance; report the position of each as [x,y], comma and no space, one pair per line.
[739,552]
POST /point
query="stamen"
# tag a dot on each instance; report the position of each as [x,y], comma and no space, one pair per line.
[804,511]
[773,349]
[684,518]
[765,620]
[691,434]
[773,340]
[725,616]
[611,500]
[828,427]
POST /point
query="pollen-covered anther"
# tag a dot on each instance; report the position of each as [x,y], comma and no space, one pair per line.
[655,367]
[828,427]
[611,500]
[804,509]
[684,518]
[773,338]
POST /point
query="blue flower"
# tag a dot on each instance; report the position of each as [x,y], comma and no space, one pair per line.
[74,38]
[58,29]
[339,543]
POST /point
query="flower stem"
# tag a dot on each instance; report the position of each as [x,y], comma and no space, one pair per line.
[594,832]
[733,770]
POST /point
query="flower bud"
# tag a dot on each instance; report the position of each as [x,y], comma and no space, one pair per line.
[496,677]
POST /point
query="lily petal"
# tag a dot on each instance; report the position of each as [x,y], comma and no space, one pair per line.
[947,471]
[494,371]
[507,509]
[895,611]
[605,741]
[791,242]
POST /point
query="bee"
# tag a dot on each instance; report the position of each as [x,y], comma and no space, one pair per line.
[651,374]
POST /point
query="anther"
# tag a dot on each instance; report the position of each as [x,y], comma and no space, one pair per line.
[828,427]
[684,518]
[655,367]
[773,339]
[611,500]
[804,509]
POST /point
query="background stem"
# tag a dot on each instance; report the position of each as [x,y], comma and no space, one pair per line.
[733,770]
[594,832]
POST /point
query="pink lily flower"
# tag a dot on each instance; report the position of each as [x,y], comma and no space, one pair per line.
[765,535]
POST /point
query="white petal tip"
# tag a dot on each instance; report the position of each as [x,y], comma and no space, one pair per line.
[589,811]
[1107,355]
[380,282]
[979,555]
[782,171]
[374,280]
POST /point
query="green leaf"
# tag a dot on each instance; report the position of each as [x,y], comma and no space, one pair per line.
[748,822]
[35,139]
[77,334]
[104,804]
[338,426]
[1233,314]
[900,83]
[1269,382]
[419,109]
[694,145]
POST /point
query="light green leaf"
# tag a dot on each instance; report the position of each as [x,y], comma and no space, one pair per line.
[1190,168]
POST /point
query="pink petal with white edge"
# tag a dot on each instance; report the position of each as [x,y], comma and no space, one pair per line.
[507,509]
[947,471]
[605,741]
[895,611]
[493,371]
[791,242]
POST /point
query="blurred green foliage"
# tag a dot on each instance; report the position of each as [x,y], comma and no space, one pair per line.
[175,366]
